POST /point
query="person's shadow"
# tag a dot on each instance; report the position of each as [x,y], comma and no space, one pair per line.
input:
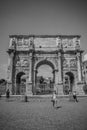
[58,107]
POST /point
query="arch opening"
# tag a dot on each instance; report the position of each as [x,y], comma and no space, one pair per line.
[68,82]
[44,77]
[20,83]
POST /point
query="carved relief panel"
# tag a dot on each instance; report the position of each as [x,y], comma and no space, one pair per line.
[70,43]
[22,60]
[69,61]
[73,63]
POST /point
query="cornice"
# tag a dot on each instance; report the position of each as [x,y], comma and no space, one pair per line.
[44,36]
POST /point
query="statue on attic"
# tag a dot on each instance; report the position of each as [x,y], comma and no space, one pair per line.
[12,43]
[58,41]
[31,43]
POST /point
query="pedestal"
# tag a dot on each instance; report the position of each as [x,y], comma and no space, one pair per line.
[60,89]
[71,97]
[79,88]
[29,88]
[9,86]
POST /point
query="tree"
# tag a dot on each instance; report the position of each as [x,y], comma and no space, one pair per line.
[3,81]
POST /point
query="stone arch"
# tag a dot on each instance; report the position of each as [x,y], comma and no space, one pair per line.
[18,82]
[44,62]
[71,77]
[69,81]
[50,63]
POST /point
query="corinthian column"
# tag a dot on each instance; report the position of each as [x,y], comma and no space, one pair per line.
[29,80]
[60,67]
[34,81]
[30,69]
[10,71]
[29,84]
[79,67]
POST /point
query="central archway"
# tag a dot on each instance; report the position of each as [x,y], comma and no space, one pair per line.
[45,79]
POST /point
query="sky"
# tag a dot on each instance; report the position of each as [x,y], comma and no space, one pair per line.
[40,17]
[45,71]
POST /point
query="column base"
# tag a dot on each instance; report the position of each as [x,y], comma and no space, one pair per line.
[29,88]
[79,88]
[71,96]
[59,83]
[60,89]
[9,86]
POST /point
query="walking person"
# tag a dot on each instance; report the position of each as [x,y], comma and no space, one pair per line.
[7,94]
[25,97]
[54,99]
[75,96]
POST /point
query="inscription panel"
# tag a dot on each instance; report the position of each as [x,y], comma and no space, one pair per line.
[47,44]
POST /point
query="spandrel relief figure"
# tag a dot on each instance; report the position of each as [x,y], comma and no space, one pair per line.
[73,63]
[24,62]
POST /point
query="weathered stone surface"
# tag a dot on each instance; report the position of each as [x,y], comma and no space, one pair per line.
[61,52]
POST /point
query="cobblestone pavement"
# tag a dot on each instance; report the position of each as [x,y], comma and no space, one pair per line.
[40,115]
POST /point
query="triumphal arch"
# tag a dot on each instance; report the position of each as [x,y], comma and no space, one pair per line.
[28,52]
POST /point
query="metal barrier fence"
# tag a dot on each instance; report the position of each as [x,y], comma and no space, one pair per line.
[44,88]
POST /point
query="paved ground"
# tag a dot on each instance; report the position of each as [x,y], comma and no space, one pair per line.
[40,115]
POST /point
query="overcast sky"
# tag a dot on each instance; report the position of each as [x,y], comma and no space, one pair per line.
[40,17]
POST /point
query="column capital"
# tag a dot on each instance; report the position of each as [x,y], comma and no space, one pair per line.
[35,70]
[55,70]
[79,67]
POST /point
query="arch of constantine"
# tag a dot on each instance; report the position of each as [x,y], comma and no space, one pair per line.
[60,52]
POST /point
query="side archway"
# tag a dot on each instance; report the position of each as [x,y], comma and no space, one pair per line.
[68,82]
[20,83]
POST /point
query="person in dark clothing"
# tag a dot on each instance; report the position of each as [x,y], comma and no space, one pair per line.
[75,96]
[54,99]
[7,93]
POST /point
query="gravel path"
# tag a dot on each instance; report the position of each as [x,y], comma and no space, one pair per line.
[40,115]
